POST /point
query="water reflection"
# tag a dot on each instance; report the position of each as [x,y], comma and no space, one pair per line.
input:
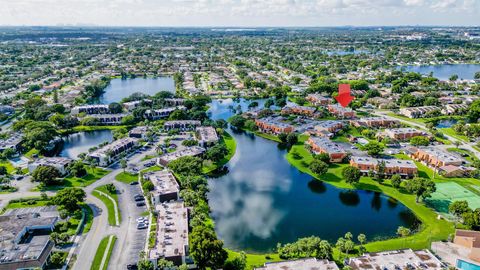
[317,186]
[349,198]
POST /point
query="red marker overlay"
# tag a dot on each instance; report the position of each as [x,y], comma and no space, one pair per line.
[344,95]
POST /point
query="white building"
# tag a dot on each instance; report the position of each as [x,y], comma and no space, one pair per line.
[300,264]
[207,136]
[107,154]
[59,163]
[165,185]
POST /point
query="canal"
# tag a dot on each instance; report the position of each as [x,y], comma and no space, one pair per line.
[263,200]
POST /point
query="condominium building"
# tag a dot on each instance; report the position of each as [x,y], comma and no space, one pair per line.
[132,105]
[327,128]
[166,187]
[175,101]
[402,134]
[405,168]
[207,136]
[59,163]
[319,100]
[182,125]
[375,122]
[91,109]
[299,110]
[273,125]
[469,240]
[396,259]
[323,145]
[161,113]
[13,141]
[341,112]
[455,109]
[417,112]
[139,132]
[109,119]
[172,233]
[108,153]
[435,157]
[189,151]
[300,264]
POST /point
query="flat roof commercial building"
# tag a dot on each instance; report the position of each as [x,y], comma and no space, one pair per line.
[207,136]
[189,151]
[300,264]
[405,168]
[166,187]
[25,241]
[172,233]
[105,155]
[323,145]
[59,163]
[396,259]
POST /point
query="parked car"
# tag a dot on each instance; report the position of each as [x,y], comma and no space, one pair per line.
[139,199]
[139,204]
[132,266]
[142,226]
[133,183]
[142,219]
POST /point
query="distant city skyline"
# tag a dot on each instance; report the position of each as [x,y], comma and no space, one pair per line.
[243,13]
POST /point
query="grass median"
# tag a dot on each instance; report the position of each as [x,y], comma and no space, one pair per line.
[103,254]
[111,202]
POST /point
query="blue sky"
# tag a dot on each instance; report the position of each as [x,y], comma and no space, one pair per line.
[240,12]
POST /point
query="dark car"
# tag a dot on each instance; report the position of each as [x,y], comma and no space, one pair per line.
[139,199]
[140,204]
[133,183]
[132,267]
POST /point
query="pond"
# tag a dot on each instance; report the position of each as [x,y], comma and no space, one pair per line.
[445,71]
[263,200]
[121,88]
[446,123]
[77,143]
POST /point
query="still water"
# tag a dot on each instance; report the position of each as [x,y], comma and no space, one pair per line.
[444,72]
[119,89]
[263,200]
[77,143]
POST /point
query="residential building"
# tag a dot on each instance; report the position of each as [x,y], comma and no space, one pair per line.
[404,168]
[340,112]
[161,113]
[450,109]
[319,100]
[13,141]
[172,233]
[175,101]
[273,125]
[396,259]
[25,241]
[435,157]
[375,122]
[471,241]
[452,171]
[299,110]
[300,264]
[417,112]
[165,185]
[108,153]
[181,125]
[91,109]
[139,132]
[59,163]
[327,128]
[132,105]
[402,134]
[109,119]
[189,151]
[207,136]
[323,145]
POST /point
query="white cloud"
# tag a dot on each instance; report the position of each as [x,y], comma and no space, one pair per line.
[239,12]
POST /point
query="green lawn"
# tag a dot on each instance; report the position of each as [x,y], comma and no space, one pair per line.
[88,218]
[93,128]
[103,251]
[8,165]
[431,228]
[153,169]
[72,181]
[126,177]
[255,260]
[231,146]
[27,202]
[452,133]
[109,204]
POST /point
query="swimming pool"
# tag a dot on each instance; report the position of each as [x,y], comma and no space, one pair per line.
[461,264]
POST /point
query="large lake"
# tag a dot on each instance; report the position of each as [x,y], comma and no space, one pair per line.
[444,72]
[263,200]
[77,143]
[119,89]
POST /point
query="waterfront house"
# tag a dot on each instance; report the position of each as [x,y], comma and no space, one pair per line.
[435,157]
[451,109]
[273,125]
[404,168]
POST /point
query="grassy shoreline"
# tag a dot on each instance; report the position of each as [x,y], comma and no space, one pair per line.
[232,148]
